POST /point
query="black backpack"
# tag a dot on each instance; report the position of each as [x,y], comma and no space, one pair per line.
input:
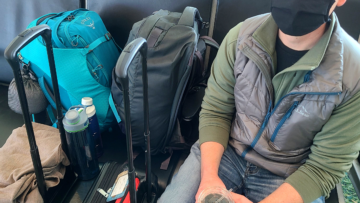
[176,79]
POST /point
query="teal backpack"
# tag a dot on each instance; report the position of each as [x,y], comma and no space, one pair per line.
[85,54]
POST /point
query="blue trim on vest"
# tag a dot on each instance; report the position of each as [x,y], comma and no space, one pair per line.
[113,108]
[270,113]
[246,151]
[307,76]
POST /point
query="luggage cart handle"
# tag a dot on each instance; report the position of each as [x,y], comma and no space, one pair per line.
[121,71]
[20,41]
[23,39]
[122,67]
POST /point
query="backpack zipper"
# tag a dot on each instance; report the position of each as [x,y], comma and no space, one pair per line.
[93,73]
[44,17]
[96,61]
[71,18]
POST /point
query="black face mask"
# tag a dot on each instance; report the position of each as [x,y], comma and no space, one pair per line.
[300,17]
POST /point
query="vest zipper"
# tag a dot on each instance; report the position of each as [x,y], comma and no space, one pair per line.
[258,135]
[307,76]
[262,66]
[284,118]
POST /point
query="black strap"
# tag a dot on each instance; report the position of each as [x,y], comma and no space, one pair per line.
[201,61]
[47,88]
[165,164]
[149,23]
[209,42]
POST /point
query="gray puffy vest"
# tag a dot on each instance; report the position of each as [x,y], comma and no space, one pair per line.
[278,137]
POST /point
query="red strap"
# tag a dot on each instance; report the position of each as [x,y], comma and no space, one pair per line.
[127,198]
[210,39]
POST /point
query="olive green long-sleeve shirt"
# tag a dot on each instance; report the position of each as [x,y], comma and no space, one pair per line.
[334,147]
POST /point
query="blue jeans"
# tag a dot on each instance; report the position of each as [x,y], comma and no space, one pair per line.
[243,177]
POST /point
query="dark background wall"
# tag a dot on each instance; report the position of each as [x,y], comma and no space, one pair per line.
[120,15]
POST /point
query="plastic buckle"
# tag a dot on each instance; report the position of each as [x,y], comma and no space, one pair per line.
[205,25]
[70,17]
[108,36]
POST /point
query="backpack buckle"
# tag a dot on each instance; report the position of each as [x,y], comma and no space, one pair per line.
[70,17]
[108,36]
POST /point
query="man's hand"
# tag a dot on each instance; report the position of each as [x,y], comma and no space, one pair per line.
[210,181]
[240,198]
[211,153]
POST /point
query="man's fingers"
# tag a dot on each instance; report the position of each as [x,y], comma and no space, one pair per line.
[240,198]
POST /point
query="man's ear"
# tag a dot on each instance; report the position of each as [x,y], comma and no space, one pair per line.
[340,3]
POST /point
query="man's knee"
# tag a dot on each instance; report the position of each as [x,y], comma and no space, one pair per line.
[195,148]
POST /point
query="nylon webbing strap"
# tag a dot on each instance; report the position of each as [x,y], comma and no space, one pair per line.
[165,164]
[153,37]
[150,23]
[95,44]
[113,108]
[210,42]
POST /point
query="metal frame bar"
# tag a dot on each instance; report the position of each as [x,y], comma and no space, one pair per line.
[83,4]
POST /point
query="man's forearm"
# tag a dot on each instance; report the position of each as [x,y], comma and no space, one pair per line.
[211,153]
[284,194]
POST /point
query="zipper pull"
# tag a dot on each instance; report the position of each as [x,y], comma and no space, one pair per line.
[292,109]
[102,192]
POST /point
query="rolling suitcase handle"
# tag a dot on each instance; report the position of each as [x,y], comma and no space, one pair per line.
[121,71]
[10,54]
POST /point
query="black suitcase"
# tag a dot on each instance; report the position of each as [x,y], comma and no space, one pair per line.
[105,180]
[147,190]
[58,193]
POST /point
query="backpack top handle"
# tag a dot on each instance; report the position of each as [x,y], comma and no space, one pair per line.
[121,71]
[189,16]
[20,41]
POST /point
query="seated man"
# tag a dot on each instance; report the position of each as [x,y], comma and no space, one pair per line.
[280,117]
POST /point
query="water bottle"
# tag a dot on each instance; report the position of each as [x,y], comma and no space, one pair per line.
[93,125]
[80,143]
